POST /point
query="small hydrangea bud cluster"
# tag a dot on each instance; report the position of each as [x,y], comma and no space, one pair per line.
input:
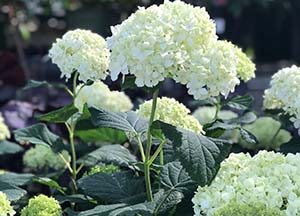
[99,95]
[81,51]
[284,93]
[4,131]
[179,41]
[5,207]
[40,157]
[172,112]
[265,129]
[42,205]
[103,169]
[268,179]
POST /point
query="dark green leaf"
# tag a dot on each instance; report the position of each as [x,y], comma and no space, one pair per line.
[240,102]
[16,178]
[59,116]
[35,84]
[293,146]
[248,137]
[174,177]
[50,183]
[247,118]
[7,147]
[110,154]
[112,187]
[129,121]
[144,209]
[199,155]
[75,198]
[128,82]
[40,135]
[12,192]
[166,200]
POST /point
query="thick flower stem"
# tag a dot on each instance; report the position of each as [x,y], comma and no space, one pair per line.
[148,148]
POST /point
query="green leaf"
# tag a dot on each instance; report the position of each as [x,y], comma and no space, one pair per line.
[87,132]
[75,198]
[111,188]
[110,154]
[166,200]
[293,146]
[35,84]
[144,209]
[40,135]
[12,192]
[16,179]
[129,121]
[248,137]
[7,147]
[240,102]
[199,155]
[174,177]
[59,116]
[247,118]
[50,183]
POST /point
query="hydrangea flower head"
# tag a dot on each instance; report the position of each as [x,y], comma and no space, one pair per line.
[268,179]
[4,131]
[284,93]
[82,51]
[265,129]
[246,209]
[40,157]
[5,207]
[42,205]
[172,112]
[154,42]
[99,95]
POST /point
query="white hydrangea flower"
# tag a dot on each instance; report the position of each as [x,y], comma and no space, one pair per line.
[284,93]
[82,51]
[99,95]
[172,112]
[155,42]
[4,131]
[268,178]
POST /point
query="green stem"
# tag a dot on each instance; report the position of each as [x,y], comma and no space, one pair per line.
[140,144]
[158,152]
[218,107]
[148,148]
[161,158]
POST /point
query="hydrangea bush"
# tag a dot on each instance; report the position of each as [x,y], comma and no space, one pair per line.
[117,156]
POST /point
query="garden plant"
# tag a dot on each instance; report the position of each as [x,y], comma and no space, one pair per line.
[157,158]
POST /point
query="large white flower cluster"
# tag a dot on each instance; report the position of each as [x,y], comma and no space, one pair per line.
[99,95]
[4,131]
[179,41]
[284,93]
[172,112]
[82,51]
[269,179]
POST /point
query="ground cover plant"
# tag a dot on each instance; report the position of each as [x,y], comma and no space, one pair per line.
[158,158]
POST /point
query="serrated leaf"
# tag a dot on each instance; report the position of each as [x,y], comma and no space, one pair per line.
[240,102]
[248,137]
[7,147]
[40,135]
[35,84]
[17,179]
[112,188]
[75,198]
[199,155]
[59,116]
[166,200]
[110,154]
[50,183]
[129,121]
[12,192]
[174,177]
[247,118]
